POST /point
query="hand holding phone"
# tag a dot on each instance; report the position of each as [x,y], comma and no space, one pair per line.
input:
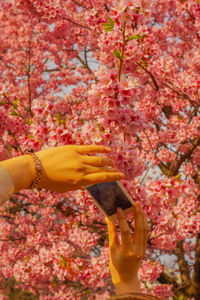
[126,255]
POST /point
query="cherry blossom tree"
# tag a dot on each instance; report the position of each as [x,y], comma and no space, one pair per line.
[124,74]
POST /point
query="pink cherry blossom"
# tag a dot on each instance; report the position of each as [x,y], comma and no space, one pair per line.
[123,74]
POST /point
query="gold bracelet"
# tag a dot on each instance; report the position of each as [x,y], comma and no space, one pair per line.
[38,169]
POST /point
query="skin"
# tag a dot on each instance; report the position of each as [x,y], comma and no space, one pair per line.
[126,257]
[64,168]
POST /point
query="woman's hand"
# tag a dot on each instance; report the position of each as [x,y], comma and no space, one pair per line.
[126,257]
[66,168]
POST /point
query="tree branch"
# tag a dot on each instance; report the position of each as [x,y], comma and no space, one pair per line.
[13,239]
[56,70]
[18,145]
[183,265]
[151,75]
[174,169]
[120,61]
[80,4]
[28,78]
[184,96]
[85,64]
[166,279]
[106,7]
[196,274]
[15,107]
[193,19]
[67,19]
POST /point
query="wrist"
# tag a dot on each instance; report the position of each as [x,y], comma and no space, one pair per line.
[132,286]
[22,171]
[31,170]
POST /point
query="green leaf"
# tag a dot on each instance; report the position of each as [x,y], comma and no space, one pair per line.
[117,54]
[108,26]
[135,37]
[169,186]
[110,20]
[13,112]
[29,122]
[181,297]
[86,291]
[101,128]
[15,102]
[177,176]
[30,136]
[64,262]
[58,119]
[3,102]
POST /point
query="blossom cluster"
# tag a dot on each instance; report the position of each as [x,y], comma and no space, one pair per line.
[123,74]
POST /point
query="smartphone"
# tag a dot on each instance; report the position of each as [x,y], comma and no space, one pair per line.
[110,195]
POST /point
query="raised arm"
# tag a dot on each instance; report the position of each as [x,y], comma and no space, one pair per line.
[63,169]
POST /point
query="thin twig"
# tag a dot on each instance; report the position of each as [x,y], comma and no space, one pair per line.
[151,75]
[184,96]
[67,19]
[120,61]
[18,145]
[28,78]
[141,182]
[80,4]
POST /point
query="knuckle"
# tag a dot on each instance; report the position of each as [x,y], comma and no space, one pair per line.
[125,231]
[130,256]
[79,167]
[111,162]
[104,177]
[75,181]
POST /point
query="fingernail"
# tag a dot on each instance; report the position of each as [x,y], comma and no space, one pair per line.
[138,206]
[119,210]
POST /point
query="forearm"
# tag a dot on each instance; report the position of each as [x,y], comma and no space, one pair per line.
[21,169]
[128,287]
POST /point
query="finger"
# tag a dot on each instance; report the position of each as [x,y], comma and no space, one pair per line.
[124,229]
[97,161]
[83,149]
[83,187]
[112,234]
[91,170]
[146,231]
[139,231]
[95,178]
